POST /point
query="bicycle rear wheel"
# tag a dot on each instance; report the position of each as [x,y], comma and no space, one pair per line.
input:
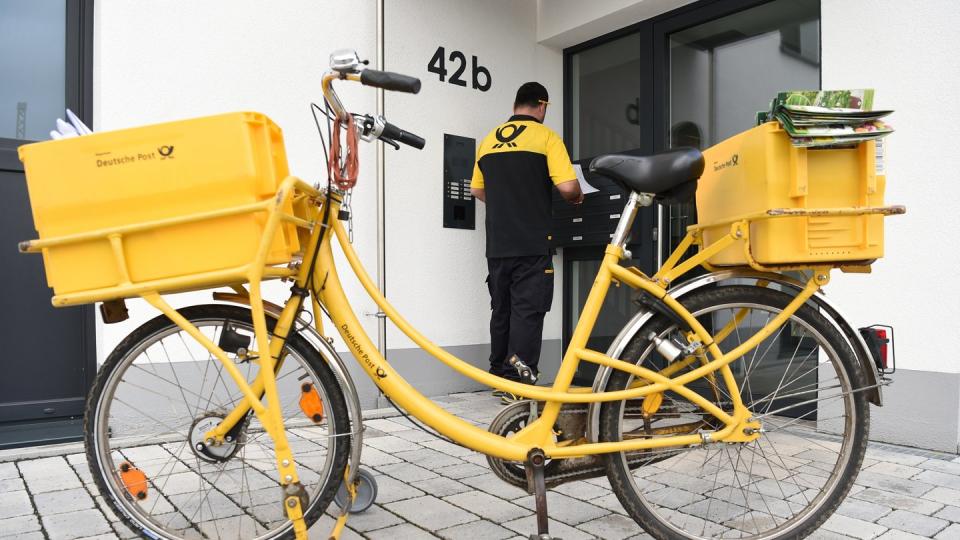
[156,395]
[799,383]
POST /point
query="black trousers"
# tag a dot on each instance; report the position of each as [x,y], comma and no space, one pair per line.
[521,292]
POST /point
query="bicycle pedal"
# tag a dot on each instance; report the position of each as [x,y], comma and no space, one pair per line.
[527,376]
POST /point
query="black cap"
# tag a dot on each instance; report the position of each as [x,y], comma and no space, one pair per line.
[531,94]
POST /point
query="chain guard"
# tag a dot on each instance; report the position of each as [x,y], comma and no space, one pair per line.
[571,425]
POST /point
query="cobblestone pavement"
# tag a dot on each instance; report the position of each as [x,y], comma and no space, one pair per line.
[429,488]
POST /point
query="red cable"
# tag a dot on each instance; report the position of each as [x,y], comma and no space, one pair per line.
[345,177]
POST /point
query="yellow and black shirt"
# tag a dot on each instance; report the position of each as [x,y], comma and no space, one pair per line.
[517,165]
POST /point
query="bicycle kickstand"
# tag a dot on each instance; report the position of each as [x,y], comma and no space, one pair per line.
[537,485]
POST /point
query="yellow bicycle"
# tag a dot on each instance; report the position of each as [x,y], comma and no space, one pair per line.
[732,405]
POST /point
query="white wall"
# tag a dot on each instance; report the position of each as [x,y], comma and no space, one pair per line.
[159,61]
[564,23]
[435,276]
[907,50]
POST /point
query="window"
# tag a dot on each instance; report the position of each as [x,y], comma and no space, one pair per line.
[607,81]
[32,64]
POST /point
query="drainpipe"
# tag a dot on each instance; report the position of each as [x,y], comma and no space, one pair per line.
[381,199]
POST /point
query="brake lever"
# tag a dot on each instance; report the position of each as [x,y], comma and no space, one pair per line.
[391,142]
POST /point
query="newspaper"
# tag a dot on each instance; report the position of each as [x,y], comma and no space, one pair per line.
[815,118]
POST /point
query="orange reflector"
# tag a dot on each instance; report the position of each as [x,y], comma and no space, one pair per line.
[651,403]
[134,480]
[310,403]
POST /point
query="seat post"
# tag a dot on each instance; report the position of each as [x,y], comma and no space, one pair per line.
[622,233]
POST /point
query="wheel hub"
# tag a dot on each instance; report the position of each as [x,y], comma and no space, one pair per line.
[209,450]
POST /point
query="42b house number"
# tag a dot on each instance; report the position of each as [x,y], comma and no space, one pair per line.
[458,63]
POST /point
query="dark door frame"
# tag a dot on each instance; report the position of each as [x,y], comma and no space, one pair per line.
[654,97]
[78,98]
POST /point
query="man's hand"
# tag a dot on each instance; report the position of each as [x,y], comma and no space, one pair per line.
[570,191]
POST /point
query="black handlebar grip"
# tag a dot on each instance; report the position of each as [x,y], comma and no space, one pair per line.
[390,81]
[392,132]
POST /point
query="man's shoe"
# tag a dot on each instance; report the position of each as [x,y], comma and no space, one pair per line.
[498,393]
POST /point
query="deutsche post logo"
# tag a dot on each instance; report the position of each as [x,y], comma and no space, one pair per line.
[166,152]
[507,133]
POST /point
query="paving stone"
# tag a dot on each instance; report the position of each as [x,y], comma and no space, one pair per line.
[950,533]
[941,465]
[913,522]
[8,470]
[611,527]
[124,531]
[48,474]
[936,478]
[565,508]
[528,525]
[901,501]
[856,528]
[911,487]
[15,503]
[895,457]
[390,490]
[950,513]
[19,525]
[384,425]
[11,484]
[109,536]
[860,509]
[418,436]
[823,534]
[407,472]
[75,524]
[405,531]
[487,506]
[441,486]
[894,469]
[463,470]
[321,530]
[942,495]
[894,534]
[474,530]
[371,457]
[610,502]
[431,459]
[430,513]
[494,486]
[582,490]
[375,517]
[391,444]
[59,502]
[448,448]
[36,535]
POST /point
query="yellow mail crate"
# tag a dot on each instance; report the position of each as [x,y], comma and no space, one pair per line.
[124,177]
[759,170]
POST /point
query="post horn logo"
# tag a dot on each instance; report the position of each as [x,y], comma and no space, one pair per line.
[165,152]
[381,374]
[506,138]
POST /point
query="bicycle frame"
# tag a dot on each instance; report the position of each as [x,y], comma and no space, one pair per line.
[539,434]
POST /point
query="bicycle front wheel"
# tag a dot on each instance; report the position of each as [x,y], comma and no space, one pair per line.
[799,383]
[160,391]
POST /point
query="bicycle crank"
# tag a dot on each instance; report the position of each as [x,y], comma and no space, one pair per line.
[571,426]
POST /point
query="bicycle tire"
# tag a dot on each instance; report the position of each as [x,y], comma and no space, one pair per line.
[652,508]
[338,447]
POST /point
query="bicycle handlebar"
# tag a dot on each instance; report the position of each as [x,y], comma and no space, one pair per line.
[394,133]
[390,81]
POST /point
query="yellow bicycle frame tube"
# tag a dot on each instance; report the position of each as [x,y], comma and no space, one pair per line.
[539,434]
